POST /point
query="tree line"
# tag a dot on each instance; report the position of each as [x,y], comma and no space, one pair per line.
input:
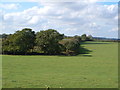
[48,42]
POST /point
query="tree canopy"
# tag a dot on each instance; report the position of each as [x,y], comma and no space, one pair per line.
[71,46]
[48,41]
[84,37]
[19,42]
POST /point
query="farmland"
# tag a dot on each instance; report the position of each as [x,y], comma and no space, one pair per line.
[97,68]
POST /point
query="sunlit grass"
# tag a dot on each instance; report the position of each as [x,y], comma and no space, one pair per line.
[96,69]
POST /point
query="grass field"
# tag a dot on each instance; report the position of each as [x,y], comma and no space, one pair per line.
[98,68]
[0,64]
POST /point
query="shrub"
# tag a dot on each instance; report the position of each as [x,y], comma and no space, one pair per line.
[19,43]
[48,40]
[71,46]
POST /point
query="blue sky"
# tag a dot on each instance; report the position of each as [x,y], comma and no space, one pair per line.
[107,3]
[71,18]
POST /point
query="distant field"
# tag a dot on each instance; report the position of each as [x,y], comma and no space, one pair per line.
[98,68]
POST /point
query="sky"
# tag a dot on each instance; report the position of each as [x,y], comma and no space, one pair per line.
[98,18]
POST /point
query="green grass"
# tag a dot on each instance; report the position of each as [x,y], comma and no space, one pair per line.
[98,68]
[0,72]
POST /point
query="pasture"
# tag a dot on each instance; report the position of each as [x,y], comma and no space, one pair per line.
[96,67]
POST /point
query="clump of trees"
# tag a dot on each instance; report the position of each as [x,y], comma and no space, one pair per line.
[19,43]
[46,41]
[71,46]
[84,37]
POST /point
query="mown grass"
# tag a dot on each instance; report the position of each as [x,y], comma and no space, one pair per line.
[95,68]
[0,72]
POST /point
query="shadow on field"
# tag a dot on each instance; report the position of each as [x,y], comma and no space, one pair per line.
[85,51]
[96,43]
[42,54]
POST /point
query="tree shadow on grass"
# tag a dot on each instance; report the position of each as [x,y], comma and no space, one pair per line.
[35,54]
[96,43]
[85,52]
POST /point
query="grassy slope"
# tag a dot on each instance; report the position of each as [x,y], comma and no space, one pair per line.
[94,70]
[0,65]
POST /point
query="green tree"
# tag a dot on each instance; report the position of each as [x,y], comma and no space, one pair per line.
[48,41]
[71,46]
[19,42]
[84,37]
[77,38]
[89,37]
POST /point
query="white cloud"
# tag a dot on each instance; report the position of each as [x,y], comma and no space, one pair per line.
[114,29]
[9,6]
[68,17]
[34,20]
[58,0]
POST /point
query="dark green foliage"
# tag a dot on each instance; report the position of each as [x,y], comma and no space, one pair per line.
[48,41]
[44,42]
[19,42]
[4,36]
[89,38]
[71,46]
[84,37]
[78,38]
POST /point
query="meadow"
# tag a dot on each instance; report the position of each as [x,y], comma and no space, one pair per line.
[0,72]
[95,68]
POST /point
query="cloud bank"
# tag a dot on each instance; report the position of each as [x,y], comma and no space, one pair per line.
[71,18]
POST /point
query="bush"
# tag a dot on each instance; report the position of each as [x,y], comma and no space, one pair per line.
[78,38]
[19,43]
[48,40]
[71,46]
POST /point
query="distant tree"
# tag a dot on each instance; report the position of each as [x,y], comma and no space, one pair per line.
[84,37]
[71,46]
[77,38]
[4,36]
[19,42]
[89,37]
[48,41]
